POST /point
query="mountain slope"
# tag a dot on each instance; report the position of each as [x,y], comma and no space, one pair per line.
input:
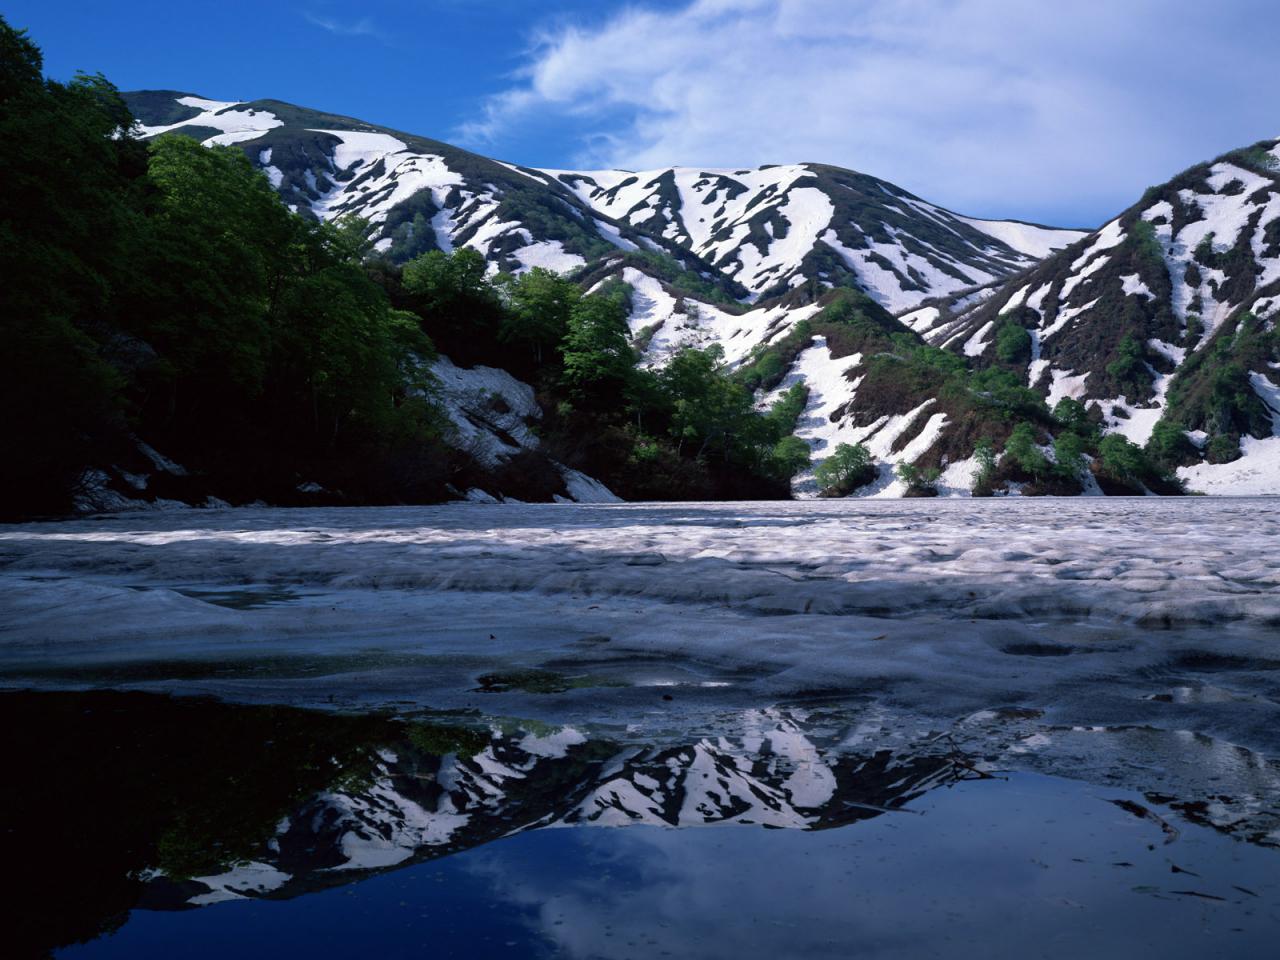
[758,234]
[778,227]
[417,194]
[1167,313]
[807,275]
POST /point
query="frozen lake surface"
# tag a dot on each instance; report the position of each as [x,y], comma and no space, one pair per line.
[757,658]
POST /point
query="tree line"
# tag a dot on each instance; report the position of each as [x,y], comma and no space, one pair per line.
[162,290]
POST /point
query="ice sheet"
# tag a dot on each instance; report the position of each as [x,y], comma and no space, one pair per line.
[1087,606]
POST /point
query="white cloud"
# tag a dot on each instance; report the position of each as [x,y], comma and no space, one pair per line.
[363,27]
[994,107]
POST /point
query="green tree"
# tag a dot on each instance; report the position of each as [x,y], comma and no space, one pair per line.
[1169,447]
[1128,368]
[597,357]
[920,482]
[1006,392]
[1013,342]
[459,308]
[1122,459]
[1021,448]
[1068,455]
[789,456]
[1072,415]
[220,251]
[539,306]
[786,410]
[850,466]
[70,179]
[708,408]
[1223,448]
[984,455]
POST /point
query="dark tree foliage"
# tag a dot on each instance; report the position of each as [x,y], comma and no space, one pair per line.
[164,290]
[66,211]
[1013,342]
[460,309]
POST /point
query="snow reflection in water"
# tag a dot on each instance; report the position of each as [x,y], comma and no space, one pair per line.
[294,830]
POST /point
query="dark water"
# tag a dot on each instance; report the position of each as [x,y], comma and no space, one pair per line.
[784,834]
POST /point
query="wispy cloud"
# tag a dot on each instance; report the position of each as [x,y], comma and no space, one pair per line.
[990,106]
[364,27]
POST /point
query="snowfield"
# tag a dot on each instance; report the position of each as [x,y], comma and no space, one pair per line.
[1082,607]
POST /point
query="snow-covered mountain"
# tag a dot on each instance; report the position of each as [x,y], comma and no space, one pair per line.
[418,194]
[776,228]
[760,233]
[1165,312]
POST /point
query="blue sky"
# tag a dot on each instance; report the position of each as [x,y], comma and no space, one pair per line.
[1058,113]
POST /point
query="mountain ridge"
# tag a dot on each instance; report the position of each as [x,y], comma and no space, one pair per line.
[368,193]
[748,261]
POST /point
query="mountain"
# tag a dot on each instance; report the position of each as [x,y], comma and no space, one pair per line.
[417,194]
[758,233]
[1167,314]
[922,335]
[777,228]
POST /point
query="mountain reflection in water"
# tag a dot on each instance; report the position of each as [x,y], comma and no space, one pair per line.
[133,809]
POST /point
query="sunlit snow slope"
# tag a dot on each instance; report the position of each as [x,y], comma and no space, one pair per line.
[777,227]
[1166,312]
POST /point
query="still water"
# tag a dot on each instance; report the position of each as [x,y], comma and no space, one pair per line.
[148,826]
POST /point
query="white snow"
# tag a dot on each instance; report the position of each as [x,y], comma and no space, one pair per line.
[614,236]
[957,479]
[244,879]
[886,286]
[1256,473]
[468,397]
[922,319]
[701,324]
[704,211]
[704,216]
[1036,300]
[236,125]
[1016,300]
[1034,241]
[555,744]
[1063,384]
[1064,317]
[1081,276]
[548,254]
[830,389]
[1133,286]
[1269,394]
[978,343]
[404,173]
[1109,236]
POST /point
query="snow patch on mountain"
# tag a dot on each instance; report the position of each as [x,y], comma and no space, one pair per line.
[666,322]
[489,410]
[236,125]
[548,254]
[1029,238]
